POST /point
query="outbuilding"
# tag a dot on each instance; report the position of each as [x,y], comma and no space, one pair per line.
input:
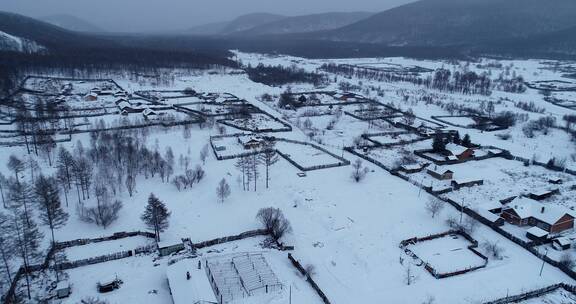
[561,243]
[537,234]
[169,247]
[189,283]
[440,173]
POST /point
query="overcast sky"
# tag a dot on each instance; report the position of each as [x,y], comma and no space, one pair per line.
[162,15]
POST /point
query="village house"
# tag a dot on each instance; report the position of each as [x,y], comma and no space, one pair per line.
[91,97]
[458,152]
[124,106]
[149,113]
[250,143]
[524,211]
[440,173]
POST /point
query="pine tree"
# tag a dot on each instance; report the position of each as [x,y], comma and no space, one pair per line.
[438,145]
[466,142]
[155,215]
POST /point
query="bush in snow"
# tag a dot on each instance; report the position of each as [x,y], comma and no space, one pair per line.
[493,250]
[359,172]
[567,260]
[274,221]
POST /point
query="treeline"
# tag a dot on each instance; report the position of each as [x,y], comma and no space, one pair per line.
[280,75]
[146,61]
[464,82]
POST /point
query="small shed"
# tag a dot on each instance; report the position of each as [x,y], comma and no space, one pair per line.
[555,181]
[149,113]
[108,284]
[461,183]
[169,247]
[561,243]
[440,173]
[63,289]
[537,234]
[542,195]
[91,97]
[415,168]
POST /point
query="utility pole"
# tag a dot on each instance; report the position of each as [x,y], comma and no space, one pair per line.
[543,261]
[290,297]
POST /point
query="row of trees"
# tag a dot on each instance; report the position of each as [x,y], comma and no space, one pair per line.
[249,165]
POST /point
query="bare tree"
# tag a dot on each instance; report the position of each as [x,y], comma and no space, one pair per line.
[223,190]
[3,181]
[274,221]
[48,198]
[268,157]
[434,206]
[20,195]
[242,164]
[104,214]
[7,244]
[16,166]
[155,215]
[130,184]
[27,238]
[204,154]
[359,172]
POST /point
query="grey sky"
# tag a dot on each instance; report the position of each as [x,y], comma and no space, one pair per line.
[161,15]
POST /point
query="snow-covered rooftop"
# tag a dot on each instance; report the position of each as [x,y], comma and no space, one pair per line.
[195,290]
[455,149]
[537,232]
[526,208]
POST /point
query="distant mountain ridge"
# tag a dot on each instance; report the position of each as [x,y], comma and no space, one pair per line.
[306,23]
[459,22]
[71,23]
[249,21]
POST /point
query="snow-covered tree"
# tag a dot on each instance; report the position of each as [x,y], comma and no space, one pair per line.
[156,215]
[268,157]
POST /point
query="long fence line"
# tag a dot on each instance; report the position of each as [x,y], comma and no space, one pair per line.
[534,294]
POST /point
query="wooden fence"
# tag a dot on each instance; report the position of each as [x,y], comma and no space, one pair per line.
[309,279]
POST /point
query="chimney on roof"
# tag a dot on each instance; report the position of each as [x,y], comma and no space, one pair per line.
[542,209]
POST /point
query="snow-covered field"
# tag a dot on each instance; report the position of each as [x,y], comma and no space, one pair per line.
[350,232]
